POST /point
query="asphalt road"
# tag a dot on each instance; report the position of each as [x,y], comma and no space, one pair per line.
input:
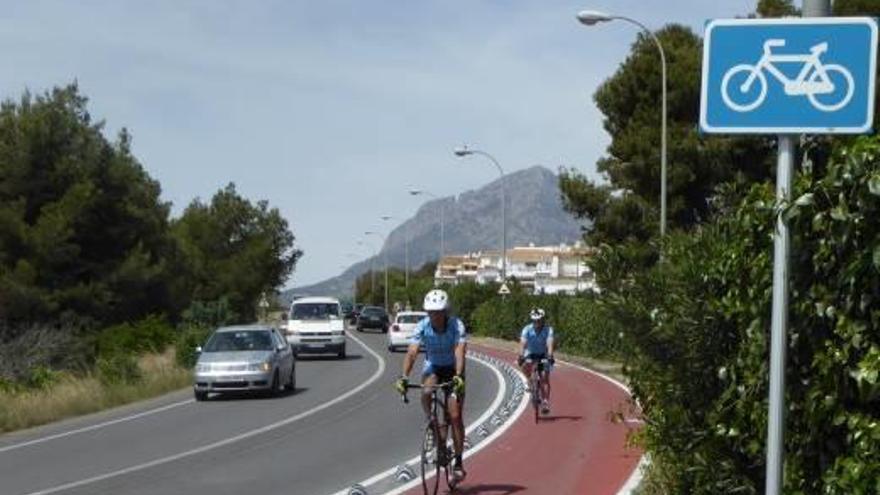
[344,423]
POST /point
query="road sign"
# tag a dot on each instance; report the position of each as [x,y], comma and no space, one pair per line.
[789,76]
[503,290]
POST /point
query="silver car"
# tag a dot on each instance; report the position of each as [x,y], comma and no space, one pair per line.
[243,358]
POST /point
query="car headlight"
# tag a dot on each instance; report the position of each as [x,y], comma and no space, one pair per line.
[203,368]
[337,332]
[264,366]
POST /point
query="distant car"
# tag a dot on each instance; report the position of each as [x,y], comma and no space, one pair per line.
[372,317]
[347,310]
[315,326]
[244,358]
[402,329]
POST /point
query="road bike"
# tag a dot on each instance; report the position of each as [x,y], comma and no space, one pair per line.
[536,382]
[432,449]
[813,80]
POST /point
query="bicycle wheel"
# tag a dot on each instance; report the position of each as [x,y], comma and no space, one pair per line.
[836,75]
[429,446]
[536,395]
[743,97]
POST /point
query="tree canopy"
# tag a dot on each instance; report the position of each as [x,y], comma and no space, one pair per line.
[83,231]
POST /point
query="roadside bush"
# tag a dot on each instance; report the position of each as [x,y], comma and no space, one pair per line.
[697,330]
[41,346]
[118,368]
[190,338]
[581,324]
[152,334]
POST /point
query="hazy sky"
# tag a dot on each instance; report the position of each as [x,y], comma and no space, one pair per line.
[331,109]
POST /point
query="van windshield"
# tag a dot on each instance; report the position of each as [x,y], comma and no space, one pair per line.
[314,311]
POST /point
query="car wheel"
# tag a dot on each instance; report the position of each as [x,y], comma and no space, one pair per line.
[390,348]
[277,386]
[201,396]
[342,352]
[360,329]
[291,383]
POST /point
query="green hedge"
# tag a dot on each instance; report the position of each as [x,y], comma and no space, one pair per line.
[581,324]
[697,330]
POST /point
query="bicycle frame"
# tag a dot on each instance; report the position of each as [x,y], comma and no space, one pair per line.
[796,86]
[433,426]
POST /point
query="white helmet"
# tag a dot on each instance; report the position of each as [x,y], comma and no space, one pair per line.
[537,314]
[436,300]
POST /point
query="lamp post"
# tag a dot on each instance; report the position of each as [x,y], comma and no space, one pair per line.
[406,251]
[416,192]
[591,18]
[372,271]
[385,260]
[354,284]
[465,151]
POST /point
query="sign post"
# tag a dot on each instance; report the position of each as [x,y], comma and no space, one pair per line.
[787,77]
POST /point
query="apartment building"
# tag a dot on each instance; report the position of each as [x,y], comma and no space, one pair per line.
[541,269]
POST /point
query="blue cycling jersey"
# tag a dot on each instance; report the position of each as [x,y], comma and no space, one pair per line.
[439,346]
[536,342]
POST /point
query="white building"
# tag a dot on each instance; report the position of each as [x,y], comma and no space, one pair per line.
[541,269]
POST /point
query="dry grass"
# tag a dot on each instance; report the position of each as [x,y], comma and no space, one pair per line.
[73,396]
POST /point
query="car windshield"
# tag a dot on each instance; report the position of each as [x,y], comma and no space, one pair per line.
[247,340]
[373,312]
[314,311]
[409,318]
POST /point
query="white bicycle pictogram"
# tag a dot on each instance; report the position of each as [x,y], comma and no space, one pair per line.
[813,79]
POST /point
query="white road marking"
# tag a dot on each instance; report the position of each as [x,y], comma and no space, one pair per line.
[499,397]
[95,426]
[230,440]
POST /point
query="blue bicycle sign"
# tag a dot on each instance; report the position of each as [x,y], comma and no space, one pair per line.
[789,75]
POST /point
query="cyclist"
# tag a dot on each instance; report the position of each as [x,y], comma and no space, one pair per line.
[444,340]
[536,343]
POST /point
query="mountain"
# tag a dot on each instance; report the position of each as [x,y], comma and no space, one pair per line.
[472,223]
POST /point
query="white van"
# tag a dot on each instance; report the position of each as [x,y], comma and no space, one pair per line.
[315,326]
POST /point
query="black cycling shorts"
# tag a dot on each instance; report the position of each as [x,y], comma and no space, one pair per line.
[444,374]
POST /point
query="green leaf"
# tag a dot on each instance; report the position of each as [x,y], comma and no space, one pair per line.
[874,184]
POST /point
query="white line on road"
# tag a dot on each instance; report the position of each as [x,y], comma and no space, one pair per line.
[230,440]
[95,427]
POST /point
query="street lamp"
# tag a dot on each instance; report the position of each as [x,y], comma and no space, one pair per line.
[591,18]
[406,250]
[385,259]
[372,271]
[416,192]
[465,151]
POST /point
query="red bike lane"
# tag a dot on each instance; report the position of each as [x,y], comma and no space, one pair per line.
[576,449]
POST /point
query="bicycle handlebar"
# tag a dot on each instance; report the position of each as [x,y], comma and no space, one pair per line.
[438,386]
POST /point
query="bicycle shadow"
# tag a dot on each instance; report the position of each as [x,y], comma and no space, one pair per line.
[488,489]
[552,418]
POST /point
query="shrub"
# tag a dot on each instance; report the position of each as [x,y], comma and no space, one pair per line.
[118,368]
[190,338]
[152,334]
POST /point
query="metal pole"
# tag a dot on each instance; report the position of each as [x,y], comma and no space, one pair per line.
[385,255]
[816,8]
[779,325]
[406,259]
[663,121]
[776,413]
[442,234]
[503,214]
